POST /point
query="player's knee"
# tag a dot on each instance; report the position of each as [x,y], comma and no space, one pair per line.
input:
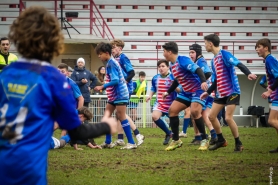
[62,143]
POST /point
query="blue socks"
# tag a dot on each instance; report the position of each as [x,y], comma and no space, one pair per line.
[163,126]
[108,138]
[136,132]
[121,136]
[199,138]
[185,124]
[126,127]
[213,134]
[65,138]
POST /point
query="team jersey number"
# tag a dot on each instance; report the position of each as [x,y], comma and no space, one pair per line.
[13,135]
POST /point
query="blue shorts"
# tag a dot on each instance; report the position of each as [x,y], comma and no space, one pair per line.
[118,102]
[192,97]
[209,102]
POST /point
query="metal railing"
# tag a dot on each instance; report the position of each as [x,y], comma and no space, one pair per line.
[96,22]
[143,111]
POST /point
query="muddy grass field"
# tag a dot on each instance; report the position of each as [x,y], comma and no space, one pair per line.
[151,164]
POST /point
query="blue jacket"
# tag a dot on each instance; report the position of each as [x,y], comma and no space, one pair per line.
[77,75]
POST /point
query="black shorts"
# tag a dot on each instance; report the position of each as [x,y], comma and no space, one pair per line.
[118,103]
[185,102]
[228,100]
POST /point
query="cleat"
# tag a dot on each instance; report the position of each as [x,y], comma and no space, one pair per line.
[219,145]
[140,139]
[274,150]
[105,145]
[129,146]
[167,139]
[213,141]
[119,142]
[195,142]
[238,148]
[204,145]
[181,134]
[173,145]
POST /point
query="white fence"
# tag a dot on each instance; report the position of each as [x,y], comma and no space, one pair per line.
[143,111]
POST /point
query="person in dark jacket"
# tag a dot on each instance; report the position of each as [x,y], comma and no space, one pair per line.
[84,79]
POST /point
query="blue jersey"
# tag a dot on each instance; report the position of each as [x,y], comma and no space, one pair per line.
[114,72]
[160,85]
[33,96]
[263,80]
[202,63]
[75,89]
[126,67]
[225,74]
[184,71]
[271,67]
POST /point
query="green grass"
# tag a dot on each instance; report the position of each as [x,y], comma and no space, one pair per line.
[151,164]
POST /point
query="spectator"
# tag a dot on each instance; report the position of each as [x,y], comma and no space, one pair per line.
[100,79]
[133,104]
[6,57]
[84,79]
[70,71]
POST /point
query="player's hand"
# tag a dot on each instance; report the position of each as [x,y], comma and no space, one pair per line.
[252,77]
[204,95]
[97,147]
[148,99]
[112,124]
[89,88]
[204,86]
[84,80]
[164,95]
[266,94]
[98,88]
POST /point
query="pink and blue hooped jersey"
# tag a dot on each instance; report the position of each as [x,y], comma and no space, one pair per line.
[114,72]
[126,68]
[184,71]
[225,74]
[160,85]
[34,94]
[271,68]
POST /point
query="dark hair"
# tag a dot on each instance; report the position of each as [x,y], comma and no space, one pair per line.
[142,73]
[4,38]
[100,76]
[36,33]
[213,38]
[104,47]
[86,112]
[63,66]
[265,42]
[171,46]
[163,61]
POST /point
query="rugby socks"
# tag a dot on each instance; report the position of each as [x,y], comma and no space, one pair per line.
[213,134]
[126,127]
[121,136]
[201,127]
[185,124]
[174,123]
[198,138]
[108,138]
[136,132]
[220,137]
[163,126]
[237,141]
